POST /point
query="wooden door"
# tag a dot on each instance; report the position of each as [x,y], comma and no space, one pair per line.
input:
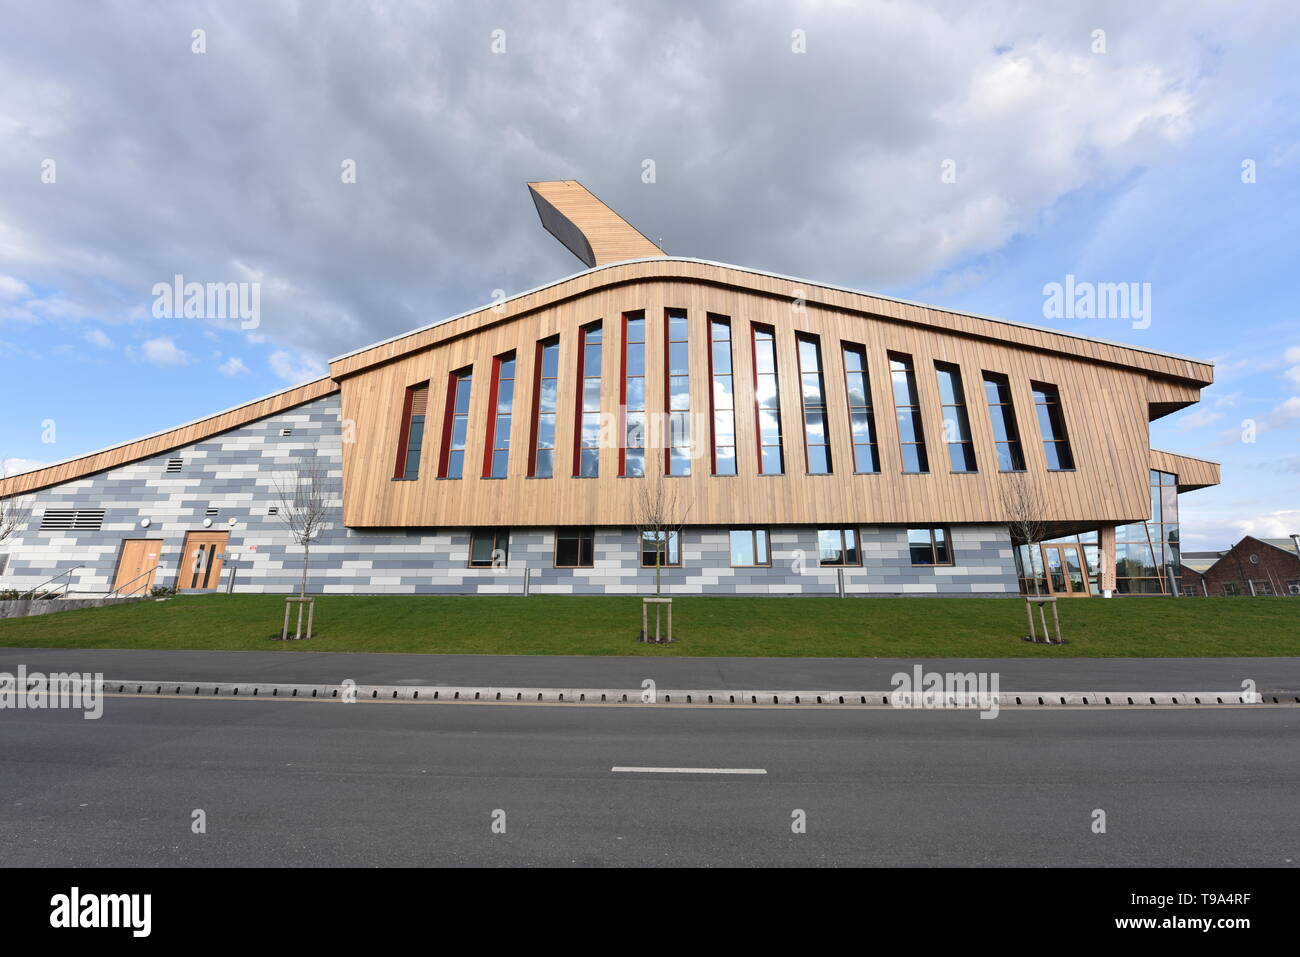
[201,560]
[136,565]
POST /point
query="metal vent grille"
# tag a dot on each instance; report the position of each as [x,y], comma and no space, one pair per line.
[211,510]
[273,510]
[72,519]
[175,465]
[286,431]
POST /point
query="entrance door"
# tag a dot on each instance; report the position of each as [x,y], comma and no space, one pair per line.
[1067,575]
[136,565]
[201,560]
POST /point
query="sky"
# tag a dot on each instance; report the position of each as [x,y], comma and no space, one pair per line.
[363,167]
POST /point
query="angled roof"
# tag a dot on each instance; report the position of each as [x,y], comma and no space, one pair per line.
[587,227]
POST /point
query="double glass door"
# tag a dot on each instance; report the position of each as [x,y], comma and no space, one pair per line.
[1067,574]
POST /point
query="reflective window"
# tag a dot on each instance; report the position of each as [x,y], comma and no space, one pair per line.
[455,426]
[411,436]
[1147,554]
[767,401]
[659,549]
[1051,422]
[489,547]
[633,452]
[956,425]
[749,547]
[574,547]
[1002,415]
[929,546]
[911,434]
[817,440]
[501,406]
[722,396]
[586,460]
[838,546]
[862,420]
[546,384]
[678,368]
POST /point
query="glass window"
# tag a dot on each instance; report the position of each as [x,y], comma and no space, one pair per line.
[956,424]
[411,436]
[767,399]
[838,546]
[587,447]
[1051,423]
[817,439]
[496,458]
[455,426]
[722,396]
[862,419]
[749,547]
[677,370]
[1002,415]
[911,434]
[659,549]
[929,546]
[546,384]
[574,547]
[634,424]
[489,547]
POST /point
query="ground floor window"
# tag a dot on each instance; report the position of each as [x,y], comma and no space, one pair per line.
[574,547]
[749,547]
[1292,588]
[929,546]
[489,547]
[660,549]
[838,546]
[1231,589]
[1262,587]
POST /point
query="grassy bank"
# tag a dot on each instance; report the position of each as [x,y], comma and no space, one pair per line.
[762,627]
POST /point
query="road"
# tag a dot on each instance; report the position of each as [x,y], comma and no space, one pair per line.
[316,783]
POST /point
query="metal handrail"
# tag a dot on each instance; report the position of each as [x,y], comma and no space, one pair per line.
[32,593]
[134,580]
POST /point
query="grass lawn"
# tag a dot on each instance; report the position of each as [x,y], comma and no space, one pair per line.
[759,627]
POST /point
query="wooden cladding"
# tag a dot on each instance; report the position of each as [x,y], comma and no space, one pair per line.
[575,357]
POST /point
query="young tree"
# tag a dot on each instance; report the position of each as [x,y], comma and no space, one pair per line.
[15,510]
[660,517]
[1025,508]
[304,498]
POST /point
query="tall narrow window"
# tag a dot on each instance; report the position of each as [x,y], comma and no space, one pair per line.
[455,424]
[911,436]
[1006,435]
[817,440]
[501,402]
[410,440]
[677,460]
[956,424]
[546,386]
[722,396]
[862,420]
[767,402]
[586,447]
[632,455]
[1056,444]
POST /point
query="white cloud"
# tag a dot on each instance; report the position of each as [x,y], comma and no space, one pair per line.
[15,466]
[12,289]
[233,366]
[1279,524]
[295,368]
[163,352]
[98,338]
[1197,419]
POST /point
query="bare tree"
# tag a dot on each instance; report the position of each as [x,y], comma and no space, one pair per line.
[660,517]
[15,510]
[304,498]
[1025,507]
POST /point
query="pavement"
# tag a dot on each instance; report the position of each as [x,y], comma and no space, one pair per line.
[323,784]
[546,671]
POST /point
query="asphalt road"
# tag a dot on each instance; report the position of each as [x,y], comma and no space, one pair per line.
[313,783]
[568,671]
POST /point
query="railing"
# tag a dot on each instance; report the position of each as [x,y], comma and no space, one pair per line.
[133,580]
[32,593]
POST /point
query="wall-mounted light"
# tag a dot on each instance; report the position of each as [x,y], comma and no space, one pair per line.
[144,523]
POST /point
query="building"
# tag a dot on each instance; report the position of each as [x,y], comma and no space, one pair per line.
[818,441]
[1254,567]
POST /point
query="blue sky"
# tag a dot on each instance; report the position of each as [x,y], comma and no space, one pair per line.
[1120,165]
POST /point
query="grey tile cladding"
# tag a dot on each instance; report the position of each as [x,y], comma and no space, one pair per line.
[236,472]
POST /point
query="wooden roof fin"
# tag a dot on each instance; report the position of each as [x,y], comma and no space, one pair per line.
[587,227]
